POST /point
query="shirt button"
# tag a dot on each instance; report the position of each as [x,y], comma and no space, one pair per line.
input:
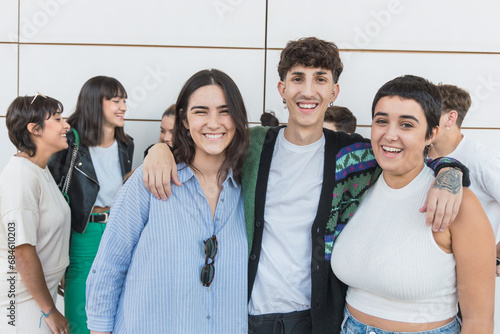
[222,199]
[258,224]
[253,257]
[93,271]
[208,317]
[79,164]
[217,219]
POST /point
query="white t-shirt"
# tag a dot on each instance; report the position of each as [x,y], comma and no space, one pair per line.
[283,280]
[33,211]
[484,171]
[106,163]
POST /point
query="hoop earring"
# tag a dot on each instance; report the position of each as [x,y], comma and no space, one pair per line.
[330,104]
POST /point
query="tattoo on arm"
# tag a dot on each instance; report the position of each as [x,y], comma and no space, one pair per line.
[450,180]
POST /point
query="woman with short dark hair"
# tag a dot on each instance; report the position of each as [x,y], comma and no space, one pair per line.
[34,229]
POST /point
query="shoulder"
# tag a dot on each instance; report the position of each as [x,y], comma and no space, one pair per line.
[127,145]
[258,134]
[471,217]
[20,177]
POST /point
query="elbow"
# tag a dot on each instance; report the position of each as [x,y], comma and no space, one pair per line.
[23,256]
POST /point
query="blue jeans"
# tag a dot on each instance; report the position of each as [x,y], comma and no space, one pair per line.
[353,326]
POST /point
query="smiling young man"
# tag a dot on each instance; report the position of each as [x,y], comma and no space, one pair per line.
[301,184]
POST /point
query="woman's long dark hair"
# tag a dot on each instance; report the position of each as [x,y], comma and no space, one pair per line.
[183,145]
[88,117]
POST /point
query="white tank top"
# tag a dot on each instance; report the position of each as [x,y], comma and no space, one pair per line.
[388,257]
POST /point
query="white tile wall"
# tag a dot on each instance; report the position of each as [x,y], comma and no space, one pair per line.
[144,134]
[152,77]
[8,76]
[233,23]
[56,58]
[8,149]
[8,21]
[388,24]
[365,72]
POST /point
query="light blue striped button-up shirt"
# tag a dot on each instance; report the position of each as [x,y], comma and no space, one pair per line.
[146,275]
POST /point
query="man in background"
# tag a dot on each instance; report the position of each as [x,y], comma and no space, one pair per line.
[483,163]
[268,118]
[339,118]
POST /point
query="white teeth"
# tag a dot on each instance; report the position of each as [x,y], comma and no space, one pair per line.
[213,136]
[307,106]
[391,149]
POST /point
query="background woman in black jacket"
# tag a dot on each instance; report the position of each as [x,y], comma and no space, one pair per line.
[104,156]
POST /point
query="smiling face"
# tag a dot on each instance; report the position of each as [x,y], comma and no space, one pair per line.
[114,112]
[398,139]
[307,92]
[209,123]
[53,135]
[167,129]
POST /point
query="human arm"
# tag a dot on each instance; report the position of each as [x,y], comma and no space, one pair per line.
[159,167]
[128,216]
[443,199]
[29,267]
[473,245]
[61,286]
[445,195]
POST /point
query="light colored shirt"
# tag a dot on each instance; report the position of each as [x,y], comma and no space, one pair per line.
[146,275]
[283,280]
[106,162]
[390,260]
[34,212]
[484,172]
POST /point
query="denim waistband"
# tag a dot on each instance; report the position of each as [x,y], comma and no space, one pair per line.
[351,325]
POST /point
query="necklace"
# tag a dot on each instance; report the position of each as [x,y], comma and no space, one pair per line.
[32,159]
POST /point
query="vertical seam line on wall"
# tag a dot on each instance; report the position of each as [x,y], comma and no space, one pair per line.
[265,60]
[18,40]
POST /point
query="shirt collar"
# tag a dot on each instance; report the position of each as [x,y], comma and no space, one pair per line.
[185,173]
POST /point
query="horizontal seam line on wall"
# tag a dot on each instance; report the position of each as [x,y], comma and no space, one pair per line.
[141,45]
[255,48]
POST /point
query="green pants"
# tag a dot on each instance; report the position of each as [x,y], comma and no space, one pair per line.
[83,250]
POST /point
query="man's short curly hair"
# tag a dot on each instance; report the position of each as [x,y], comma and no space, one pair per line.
[310,52]
[455,98]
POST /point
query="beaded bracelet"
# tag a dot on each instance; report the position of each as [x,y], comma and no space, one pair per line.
[46,315]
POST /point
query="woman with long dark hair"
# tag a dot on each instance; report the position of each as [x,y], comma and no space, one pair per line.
[103,157]
[180,266]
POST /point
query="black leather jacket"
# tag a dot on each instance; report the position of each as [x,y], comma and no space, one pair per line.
[84,185]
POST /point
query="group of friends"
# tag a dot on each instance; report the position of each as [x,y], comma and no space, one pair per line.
[231,229]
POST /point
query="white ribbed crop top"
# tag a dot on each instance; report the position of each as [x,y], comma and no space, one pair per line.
[388,257]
